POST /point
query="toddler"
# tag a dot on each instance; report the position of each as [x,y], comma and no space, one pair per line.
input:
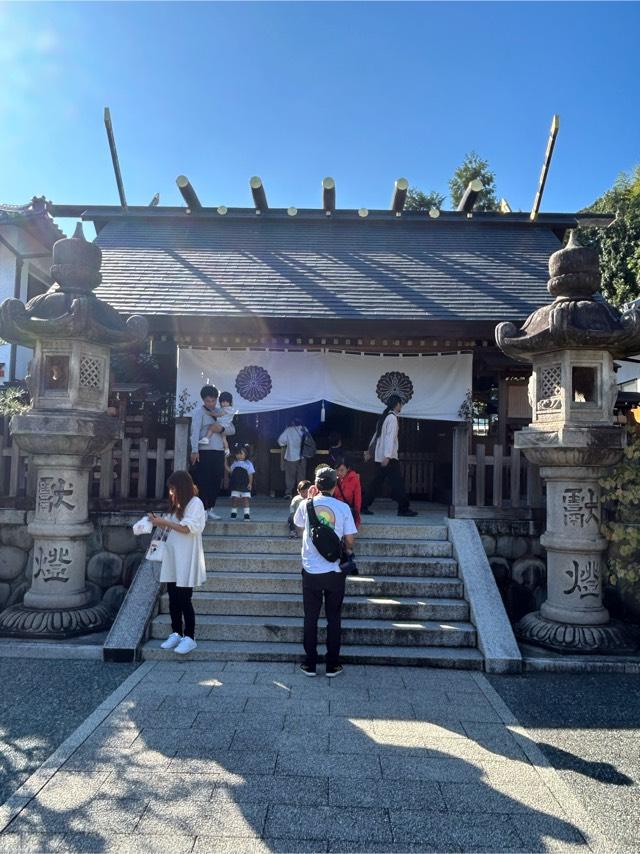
[225,402]
[241,474]
[303,492]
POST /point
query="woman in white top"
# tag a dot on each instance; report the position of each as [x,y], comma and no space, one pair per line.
[183,566]
[384,449]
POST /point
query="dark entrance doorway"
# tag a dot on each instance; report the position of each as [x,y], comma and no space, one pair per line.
[425,447]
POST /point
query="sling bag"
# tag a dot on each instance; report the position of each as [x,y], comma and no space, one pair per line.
[324,538]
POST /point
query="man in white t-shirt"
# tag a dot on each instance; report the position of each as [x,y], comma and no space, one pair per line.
[322,579]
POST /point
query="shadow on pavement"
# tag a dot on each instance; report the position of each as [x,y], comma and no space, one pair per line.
[251,757]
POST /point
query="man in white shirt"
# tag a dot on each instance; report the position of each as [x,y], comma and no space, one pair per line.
[323,579]
[295,464]
[384,445]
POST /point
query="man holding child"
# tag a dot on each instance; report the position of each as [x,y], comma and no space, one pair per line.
[208,447]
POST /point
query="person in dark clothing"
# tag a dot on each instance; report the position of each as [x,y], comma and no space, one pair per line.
[384,450]
[207,448]
[336,451]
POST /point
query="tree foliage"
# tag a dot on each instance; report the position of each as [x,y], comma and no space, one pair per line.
[472,167]
[619,244]
[419,201]
[621,491]
[14,400]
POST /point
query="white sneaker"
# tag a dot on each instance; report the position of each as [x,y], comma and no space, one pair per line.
[186,645]
[204,441]
[172,641]
[213,516]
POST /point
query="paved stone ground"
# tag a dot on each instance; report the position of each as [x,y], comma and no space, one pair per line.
[41,703]
[588,726]
[244,757]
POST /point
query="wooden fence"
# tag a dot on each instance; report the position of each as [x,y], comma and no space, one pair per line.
[131,468]
[499,483]
[502,482]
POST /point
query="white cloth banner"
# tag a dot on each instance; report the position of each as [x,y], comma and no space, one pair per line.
[431,387]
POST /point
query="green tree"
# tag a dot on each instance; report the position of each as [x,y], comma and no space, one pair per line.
[14,400]
[619,243]
[473,167]
[419,201]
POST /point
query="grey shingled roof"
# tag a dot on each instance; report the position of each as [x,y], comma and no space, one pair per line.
[385,269]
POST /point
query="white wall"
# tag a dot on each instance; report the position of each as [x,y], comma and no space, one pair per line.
[7,277]
[27,245]
[627,372]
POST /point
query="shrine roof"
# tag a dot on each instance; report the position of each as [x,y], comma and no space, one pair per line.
[35,218]
[489,267]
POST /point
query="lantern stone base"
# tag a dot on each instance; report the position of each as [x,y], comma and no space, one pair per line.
[613,638]
[20,621]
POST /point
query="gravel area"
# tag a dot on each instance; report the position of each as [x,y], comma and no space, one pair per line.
[588,726]
[41,703]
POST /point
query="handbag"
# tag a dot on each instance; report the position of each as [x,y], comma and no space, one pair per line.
[158,547]
[348,562]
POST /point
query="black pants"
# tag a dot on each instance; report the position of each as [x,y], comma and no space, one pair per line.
[315,587]
[208,475]
[390,472]
[181,609]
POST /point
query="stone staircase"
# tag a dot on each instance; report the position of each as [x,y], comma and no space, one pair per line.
[405,607]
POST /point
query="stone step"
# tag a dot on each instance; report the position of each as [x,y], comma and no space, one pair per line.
[357,585]
[421,567]
[357,607]
[283,545]
[463,658]
[368,530]
[289,630]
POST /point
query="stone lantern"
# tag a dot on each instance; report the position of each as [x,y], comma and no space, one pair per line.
[571,345]
[72,333]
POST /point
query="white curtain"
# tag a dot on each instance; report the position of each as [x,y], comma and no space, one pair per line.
[432,387]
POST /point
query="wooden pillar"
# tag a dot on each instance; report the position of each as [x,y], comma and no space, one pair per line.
[181,444]
[460,468]
[503,403]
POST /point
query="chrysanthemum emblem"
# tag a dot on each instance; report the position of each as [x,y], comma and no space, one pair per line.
[253,383]
[394,382]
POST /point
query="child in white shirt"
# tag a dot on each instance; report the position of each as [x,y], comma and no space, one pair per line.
[225,402]
[303,491]
[241,474]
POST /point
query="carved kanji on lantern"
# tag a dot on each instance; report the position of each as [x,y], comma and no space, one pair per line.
[571,344]
[72,333]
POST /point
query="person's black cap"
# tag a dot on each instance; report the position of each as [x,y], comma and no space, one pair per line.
[326,479]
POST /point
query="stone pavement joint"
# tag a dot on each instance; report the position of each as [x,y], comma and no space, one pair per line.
[552,780]
[228,757]
[23,795]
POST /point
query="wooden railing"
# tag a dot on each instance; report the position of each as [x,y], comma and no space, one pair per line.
[13,470]
[121,472]
[502,480]
[418,469]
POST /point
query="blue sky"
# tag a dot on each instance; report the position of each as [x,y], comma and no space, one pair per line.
[365,92]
